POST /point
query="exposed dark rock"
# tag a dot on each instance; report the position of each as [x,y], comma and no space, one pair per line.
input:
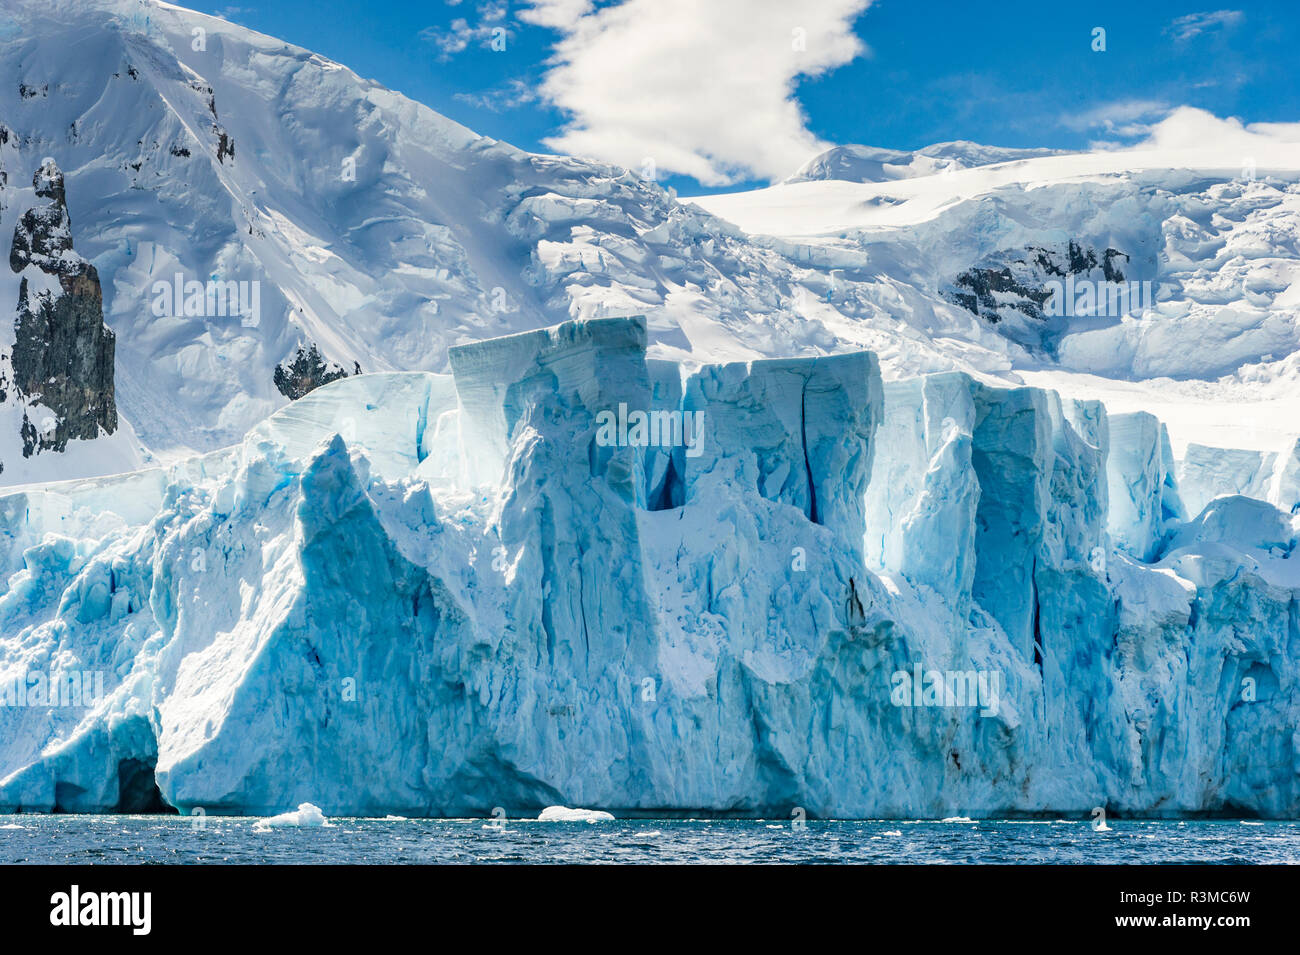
[205,90]
[63,352]
[225,145]
[1016,280]
[976,290]
[43,234]
[307,372]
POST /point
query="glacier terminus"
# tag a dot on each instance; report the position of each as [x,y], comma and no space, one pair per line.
[437,594]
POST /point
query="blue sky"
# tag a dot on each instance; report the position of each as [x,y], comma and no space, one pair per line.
[721,94]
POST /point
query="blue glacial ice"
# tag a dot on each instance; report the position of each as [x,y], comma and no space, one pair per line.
[440,594]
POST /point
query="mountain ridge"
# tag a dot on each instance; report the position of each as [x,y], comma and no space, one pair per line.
[383,234]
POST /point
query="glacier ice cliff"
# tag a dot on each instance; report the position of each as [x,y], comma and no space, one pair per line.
[437,594]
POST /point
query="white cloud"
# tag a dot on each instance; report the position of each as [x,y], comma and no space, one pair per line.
[1152,124]
[1191,128]
[701,87]
[1123,118]
[512,95]
[1193,24]
[461,33]
[556,14]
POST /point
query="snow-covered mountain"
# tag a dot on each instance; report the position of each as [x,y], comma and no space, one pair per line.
[872,164]
[387,538]
[367,225]
[196,151]
[963,265]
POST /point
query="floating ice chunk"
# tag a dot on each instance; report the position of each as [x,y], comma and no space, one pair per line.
[306,815]
[564,814]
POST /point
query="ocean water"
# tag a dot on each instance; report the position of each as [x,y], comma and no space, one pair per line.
[173,839]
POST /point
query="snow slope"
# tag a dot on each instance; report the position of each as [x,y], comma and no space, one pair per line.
[1211,225]
[870,164]
[385,233]
[376,228]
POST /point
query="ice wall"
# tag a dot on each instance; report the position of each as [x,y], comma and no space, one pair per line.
[434,595]
[1274,476]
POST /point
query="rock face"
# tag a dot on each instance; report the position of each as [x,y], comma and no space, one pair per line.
[433,595]
[62,359]
[306,372]
[1017,281]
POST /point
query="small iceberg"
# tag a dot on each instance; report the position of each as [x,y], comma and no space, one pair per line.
[565,814]
[957,819]
[306,815]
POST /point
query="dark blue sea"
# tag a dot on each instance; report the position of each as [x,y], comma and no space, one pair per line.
[173,839]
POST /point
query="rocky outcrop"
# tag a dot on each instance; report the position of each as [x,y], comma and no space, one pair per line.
[62,360]
[307,372]
[4,175]
[1018,280]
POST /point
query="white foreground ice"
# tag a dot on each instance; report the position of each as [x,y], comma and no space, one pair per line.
[306,815]
[565,814]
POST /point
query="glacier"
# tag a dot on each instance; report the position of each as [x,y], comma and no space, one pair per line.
[437,594]
[929,549]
